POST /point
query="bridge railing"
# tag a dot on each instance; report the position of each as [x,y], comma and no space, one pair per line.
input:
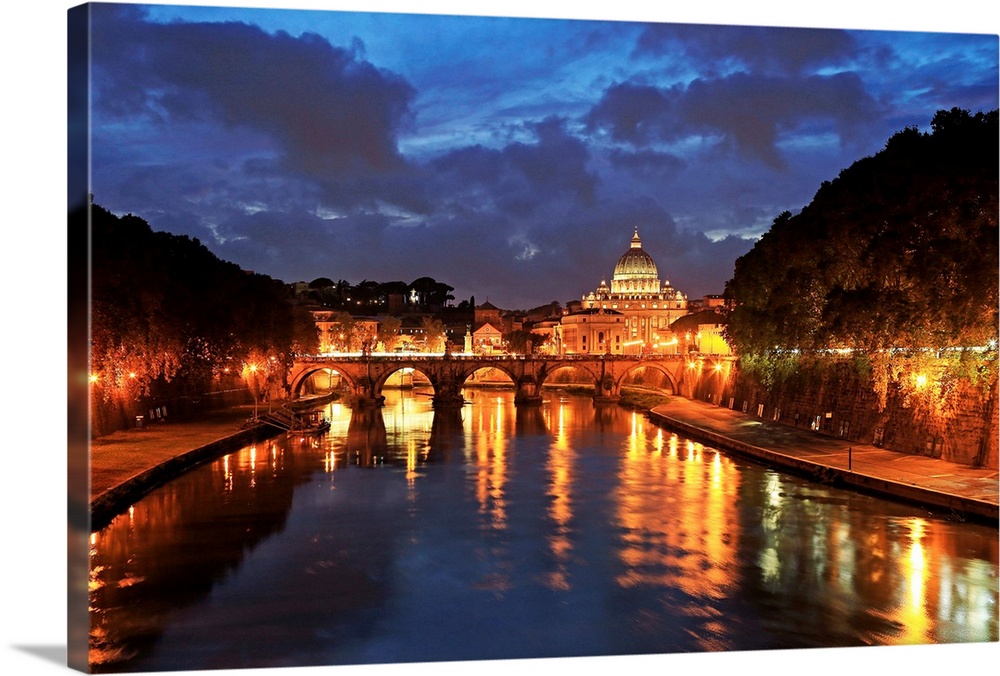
[355,358]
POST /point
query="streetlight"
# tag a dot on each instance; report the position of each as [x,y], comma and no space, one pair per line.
[253,370]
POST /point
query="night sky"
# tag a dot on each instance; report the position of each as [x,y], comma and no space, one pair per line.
[510,158]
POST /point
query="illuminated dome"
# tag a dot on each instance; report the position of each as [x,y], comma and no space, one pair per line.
[636,272]
[635,263]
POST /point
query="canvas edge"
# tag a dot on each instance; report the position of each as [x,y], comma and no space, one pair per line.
[78,332]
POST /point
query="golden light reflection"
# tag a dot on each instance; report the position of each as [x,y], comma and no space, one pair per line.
[227,474]
[487,434]
[664,531]
[560,465]
[912,614]
[411,462]
[769,561]
[562,438]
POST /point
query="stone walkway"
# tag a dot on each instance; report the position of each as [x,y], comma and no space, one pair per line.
[938,483]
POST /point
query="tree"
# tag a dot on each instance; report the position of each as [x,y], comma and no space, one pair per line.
[167,316]
[523,342]
[429,291]
[434,334]
[344,334]
[388,332]
[900,251]
[895,258]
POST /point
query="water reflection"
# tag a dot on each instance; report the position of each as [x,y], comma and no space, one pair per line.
[560,467]
[491,424]
[684,538]
[169,551]
[559,530]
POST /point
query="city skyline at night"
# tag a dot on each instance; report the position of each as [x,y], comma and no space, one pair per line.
[510,158]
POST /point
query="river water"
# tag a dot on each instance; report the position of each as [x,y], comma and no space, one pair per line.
[497,532]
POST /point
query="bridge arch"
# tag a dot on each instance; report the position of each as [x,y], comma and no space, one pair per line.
[490,367]
[660,367]
[383,376]
[299,377]
[592,374]
[501,367]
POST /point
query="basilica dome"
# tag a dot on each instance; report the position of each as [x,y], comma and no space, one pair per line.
[635,263]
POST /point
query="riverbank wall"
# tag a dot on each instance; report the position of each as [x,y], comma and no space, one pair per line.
[111,411]
[834,398]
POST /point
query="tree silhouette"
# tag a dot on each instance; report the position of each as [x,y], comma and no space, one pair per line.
[900,251]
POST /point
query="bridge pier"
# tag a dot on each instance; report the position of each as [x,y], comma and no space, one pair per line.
[447,391]
[448,399]
[367,401]
[527,392]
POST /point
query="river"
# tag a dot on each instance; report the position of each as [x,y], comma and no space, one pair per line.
[497,532]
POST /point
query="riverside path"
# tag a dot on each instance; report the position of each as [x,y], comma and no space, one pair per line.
[968,492]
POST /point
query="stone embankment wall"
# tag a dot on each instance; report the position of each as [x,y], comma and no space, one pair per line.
[961,427]
[113,413]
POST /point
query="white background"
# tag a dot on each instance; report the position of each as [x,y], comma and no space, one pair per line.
[33,362]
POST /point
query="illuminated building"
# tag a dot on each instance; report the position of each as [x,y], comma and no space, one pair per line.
[646,307]
[703,331]
[487,313]
[487,339]
[593,331]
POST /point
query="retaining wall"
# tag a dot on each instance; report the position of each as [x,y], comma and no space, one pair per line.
[837,401]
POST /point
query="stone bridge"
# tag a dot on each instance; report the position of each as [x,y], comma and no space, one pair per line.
[367,375]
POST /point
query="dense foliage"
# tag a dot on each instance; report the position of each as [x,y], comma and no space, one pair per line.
[164,308]
[898,253]
[370,296]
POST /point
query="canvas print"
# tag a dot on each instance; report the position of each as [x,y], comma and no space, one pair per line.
[418,338]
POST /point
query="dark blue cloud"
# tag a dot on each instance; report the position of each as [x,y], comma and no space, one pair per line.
[521,177]
[749,112]
[328,110]
[718,50]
